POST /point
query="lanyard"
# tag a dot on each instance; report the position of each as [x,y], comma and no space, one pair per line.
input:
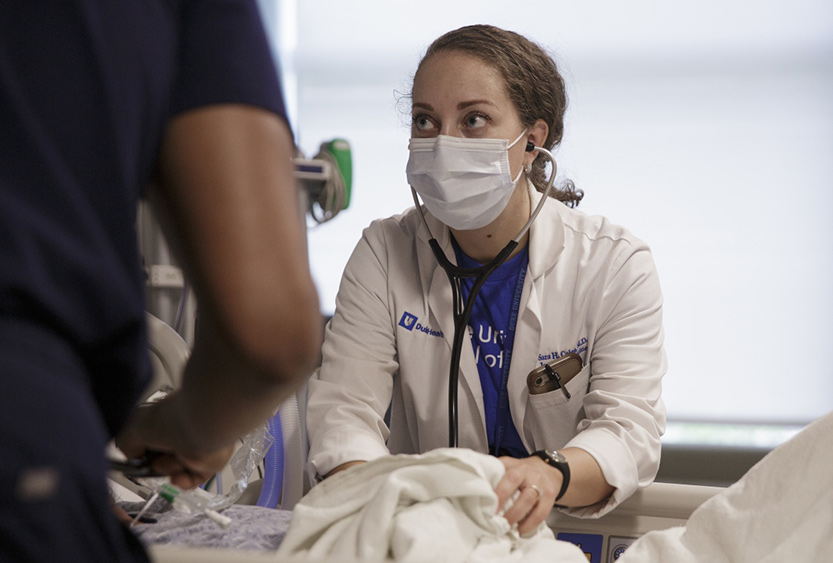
[503,417]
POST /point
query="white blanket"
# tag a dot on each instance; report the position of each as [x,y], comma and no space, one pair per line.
[781,510]
[438,506]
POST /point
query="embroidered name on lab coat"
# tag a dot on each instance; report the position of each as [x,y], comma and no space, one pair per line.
[581,347]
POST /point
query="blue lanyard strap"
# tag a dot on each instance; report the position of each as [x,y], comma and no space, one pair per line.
[503,418]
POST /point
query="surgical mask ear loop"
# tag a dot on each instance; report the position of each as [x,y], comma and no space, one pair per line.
[512,144]
[454,272]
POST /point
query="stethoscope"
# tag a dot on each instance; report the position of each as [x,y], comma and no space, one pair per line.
[462,312]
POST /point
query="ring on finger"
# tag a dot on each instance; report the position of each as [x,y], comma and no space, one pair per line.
[537,490]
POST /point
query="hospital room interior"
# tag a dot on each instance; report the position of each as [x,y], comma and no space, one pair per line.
[706,128]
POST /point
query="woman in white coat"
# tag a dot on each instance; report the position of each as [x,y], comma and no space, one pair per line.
[485,103]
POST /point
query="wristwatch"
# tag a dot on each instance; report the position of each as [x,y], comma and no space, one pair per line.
[555,459]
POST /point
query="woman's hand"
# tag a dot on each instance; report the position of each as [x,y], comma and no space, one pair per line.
[536,485]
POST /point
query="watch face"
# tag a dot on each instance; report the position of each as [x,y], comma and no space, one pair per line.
[556,456]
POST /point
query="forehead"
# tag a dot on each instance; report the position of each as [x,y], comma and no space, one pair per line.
[454,76]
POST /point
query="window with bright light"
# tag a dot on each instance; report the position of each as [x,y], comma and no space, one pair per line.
[705,128]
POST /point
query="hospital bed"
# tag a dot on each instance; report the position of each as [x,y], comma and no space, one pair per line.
[785,503]
[659,506]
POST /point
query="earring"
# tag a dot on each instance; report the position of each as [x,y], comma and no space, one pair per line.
[528,167]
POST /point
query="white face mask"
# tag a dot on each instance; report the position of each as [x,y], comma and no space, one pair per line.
[465,183]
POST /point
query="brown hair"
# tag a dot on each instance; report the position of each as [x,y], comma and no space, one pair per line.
[533,83]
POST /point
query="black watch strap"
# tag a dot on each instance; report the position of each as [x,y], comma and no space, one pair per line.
[555,459]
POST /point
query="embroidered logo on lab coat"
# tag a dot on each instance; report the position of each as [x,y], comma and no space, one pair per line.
[411,322]
[408,321]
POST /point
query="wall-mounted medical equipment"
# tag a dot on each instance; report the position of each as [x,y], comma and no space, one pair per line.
[324,185]
[326,179]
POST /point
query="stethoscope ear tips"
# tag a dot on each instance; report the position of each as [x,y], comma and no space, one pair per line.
[530,146]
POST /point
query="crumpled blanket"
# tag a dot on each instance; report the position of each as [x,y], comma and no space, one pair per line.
[780,510]
[437,506]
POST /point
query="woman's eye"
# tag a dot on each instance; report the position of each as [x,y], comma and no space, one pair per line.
[422,123]
[476,120]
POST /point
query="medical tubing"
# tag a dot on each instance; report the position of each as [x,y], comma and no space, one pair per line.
[273,467]
[544,197]
[294,452]
[456,349]
[480,276]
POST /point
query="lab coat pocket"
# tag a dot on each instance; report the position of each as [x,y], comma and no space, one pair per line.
[552,418]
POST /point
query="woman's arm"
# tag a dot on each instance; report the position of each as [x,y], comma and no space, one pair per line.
[351,392]
[587,486]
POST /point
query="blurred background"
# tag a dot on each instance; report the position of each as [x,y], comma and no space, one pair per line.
[704,127]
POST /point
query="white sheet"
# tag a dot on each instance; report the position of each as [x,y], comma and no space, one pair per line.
[438,506]
[780,510]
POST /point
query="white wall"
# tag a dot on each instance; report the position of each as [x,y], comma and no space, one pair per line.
[705,127]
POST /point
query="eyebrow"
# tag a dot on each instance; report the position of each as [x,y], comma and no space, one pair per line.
[464,105]
[461,105]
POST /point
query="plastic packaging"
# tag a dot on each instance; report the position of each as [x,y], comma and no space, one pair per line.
[243,464]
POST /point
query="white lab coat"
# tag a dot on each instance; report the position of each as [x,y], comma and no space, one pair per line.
[591,287]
